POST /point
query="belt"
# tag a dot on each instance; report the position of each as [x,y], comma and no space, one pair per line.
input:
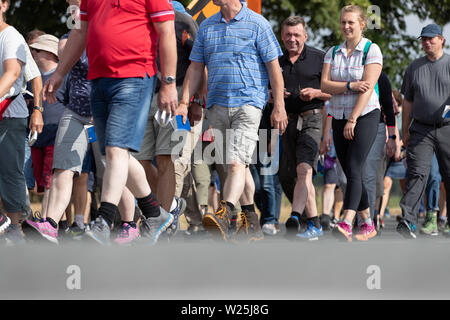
[434,125]
[294,116]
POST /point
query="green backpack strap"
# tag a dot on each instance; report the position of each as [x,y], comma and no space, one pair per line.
[335,49]
[366,50]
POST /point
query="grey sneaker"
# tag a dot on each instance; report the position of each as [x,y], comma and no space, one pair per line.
[14,236]
[176,213]
[269,229]
[153,227]
[99,231]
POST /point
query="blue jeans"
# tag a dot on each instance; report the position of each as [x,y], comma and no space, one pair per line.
[433,188]
[268,193]
[120,108]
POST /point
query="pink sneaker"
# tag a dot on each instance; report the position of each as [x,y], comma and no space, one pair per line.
[343,230]
[366,232]
[45,229]
[128,234]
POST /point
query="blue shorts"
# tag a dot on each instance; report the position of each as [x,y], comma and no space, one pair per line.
[396,171]
[120,108]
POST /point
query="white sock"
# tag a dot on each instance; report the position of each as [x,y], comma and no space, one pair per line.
[173,205]
[79,220]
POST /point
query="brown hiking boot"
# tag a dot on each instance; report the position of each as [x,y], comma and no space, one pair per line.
[248,227]
[218,223]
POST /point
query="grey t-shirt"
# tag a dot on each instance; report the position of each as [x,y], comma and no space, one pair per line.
[427,85]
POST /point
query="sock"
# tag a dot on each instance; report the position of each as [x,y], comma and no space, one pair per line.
[248,208]
[108,211]
[368,221]
[174,204]
[54,224]
[230,205]
[79,220]
[149,206]
[349,222]
[315,221]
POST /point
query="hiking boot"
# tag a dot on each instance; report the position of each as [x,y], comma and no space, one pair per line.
[45,229]
[100,231]
[441,224]
[153,227]
[4,222]
[177,212]
[366,232]
[218,224]
[325,221]
[248,226]
[407,229]
[128,233]
[343,231]
[311,233]
[430,227]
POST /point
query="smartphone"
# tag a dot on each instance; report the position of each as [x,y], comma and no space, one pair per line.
[32,137]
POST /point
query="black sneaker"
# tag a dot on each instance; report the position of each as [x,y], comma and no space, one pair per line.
[325,222]
[77,232]
[407,229]
[292,225]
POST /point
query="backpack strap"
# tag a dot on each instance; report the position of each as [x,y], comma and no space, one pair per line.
[335,49]
[365,51]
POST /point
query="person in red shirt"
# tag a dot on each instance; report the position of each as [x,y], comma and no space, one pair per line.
[120,37]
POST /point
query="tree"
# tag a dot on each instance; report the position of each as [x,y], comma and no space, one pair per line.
[46,15]
[398,48]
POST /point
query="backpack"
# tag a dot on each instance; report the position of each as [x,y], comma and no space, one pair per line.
[365,51]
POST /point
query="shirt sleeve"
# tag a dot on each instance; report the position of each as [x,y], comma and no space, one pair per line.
[160,10]
[197,52]
[31,69]
[267,44]
[14,48]
[407,88]
[83,11]
[374,55]
[328,56]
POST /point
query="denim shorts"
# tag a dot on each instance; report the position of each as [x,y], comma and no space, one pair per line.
[120,108]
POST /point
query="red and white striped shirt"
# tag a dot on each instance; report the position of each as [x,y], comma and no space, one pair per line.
[121,39]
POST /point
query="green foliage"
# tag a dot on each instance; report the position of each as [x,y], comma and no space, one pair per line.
[398,48]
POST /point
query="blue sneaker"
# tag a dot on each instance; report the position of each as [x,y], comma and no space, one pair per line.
[407,229]
[177,212]
[311,233]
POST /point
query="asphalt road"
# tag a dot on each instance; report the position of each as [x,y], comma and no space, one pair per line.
[386,267]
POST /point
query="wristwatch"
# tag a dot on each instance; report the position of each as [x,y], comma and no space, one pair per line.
[169,79]
[393,137]
[348,86]
[41,109]
[198,101]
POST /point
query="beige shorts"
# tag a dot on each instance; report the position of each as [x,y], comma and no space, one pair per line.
[157,140]
[235,133]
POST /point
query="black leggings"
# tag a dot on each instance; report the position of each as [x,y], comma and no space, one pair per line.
[352,155]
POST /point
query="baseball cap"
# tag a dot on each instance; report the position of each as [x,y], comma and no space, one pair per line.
[431,30]
[46,42]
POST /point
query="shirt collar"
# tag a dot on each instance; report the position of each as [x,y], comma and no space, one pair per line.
[359,47]
[301,57]
[240,15]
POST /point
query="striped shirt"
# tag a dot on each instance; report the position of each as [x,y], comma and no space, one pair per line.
[351,69]
[235,54]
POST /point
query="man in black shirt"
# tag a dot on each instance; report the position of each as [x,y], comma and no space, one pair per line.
[302,70]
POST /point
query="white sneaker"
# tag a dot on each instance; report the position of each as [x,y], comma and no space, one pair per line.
[269,229]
